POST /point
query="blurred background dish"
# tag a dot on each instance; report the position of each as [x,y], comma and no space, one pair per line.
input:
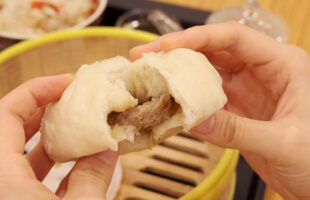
[156,21]
[27,19]
[253,16]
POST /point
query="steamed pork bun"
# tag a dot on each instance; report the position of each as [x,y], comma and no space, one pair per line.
[133,105]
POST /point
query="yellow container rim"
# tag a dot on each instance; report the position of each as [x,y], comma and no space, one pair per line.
[233,186]
[224,171]
[74,34]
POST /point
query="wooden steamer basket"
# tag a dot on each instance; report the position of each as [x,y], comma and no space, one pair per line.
[182,167]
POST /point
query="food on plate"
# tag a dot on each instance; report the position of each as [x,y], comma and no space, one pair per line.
[35,17]
[131,106]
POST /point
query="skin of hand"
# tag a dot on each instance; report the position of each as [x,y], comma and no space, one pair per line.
[267,116]
[21,112]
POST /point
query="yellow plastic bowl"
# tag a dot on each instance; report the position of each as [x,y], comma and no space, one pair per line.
[224,172]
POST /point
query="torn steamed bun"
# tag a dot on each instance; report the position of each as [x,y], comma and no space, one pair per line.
[131,106]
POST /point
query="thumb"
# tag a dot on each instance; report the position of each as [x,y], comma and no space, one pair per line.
[91,176]
[229,130]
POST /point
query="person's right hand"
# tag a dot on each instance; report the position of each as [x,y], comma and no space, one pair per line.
[267,116]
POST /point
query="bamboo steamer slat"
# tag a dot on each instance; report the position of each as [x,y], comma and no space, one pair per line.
[181,167]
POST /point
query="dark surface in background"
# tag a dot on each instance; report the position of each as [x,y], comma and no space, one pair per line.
[249,186]
[188,17]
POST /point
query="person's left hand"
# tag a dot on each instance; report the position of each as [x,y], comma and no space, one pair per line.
[20,117]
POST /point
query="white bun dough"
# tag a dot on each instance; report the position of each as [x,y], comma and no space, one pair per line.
[77,125]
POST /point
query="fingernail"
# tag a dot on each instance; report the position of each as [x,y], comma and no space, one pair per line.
[61,193]
[168,44]
[108,156]
[204,129]
[68,77]
[136,52]
[170,41]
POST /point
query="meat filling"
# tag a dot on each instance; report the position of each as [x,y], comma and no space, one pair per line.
[148,114]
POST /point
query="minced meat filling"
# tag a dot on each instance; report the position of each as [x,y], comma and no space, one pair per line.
[146,115]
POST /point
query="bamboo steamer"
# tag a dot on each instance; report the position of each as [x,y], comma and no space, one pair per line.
[182,167]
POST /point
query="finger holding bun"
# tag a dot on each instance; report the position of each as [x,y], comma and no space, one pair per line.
[131,106]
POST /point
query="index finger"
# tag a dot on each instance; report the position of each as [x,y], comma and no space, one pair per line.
[244,43]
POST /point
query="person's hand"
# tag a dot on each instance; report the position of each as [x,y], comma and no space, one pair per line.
[267,116]
[20,176]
